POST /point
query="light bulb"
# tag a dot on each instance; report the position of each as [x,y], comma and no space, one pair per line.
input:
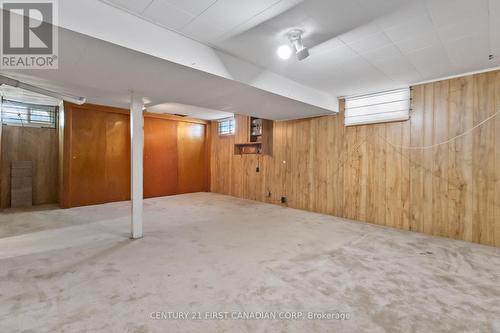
[285,52]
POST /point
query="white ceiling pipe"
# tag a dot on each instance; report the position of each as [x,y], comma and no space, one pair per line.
[26,86]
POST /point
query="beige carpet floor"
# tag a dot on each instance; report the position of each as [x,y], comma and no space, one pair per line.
[76,271]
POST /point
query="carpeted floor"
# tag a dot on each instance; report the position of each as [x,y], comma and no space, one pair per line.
[76,271]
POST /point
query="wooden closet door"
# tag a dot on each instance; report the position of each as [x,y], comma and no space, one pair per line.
[99,166]
[160,157]
[192,157]
[88,158]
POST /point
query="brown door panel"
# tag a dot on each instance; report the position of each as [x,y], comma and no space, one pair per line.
[192,159]
[160,157]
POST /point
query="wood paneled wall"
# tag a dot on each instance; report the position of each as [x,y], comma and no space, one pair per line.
[97,155]
[39,145]
[367,173]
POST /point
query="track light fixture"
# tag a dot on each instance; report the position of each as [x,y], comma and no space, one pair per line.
[295,45]
[295,38]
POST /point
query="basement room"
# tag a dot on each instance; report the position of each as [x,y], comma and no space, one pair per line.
[250,166]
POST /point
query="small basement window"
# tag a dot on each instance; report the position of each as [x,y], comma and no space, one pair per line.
[226,126]
[29,115]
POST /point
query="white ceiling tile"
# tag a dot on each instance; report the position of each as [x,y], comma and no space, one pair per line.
[357,66]
[385,53]
[418,42]
[327,46]
[370,43]
[229,13]
[223,16]
[384,6]
[429,53]
[445,12]
[473,26]
[404,78]
[338,54]
[163,13]
[326,61]
[360,33]
[324,71]
[289,18]
[321,67]
[264,36]
[431,62]
[194,7]
[274,10]
[412,10]
[321,19]
[135,6]
[199,30]
[397,68]
[331,14]
[412,27]
[469,52]
[372,83]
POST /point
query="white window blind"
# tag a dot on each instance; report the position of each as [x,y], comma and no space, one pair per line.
[378,108]
[226,126]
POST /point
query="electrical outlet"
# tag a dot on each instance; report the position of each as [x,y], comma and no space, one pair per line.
[284,200]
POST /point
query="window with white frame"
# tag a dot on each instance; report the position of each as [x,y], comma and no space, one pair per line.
[29,115]
[226,126]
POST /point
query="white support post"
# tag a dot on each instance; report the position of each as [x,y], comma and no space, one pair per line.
[137,147]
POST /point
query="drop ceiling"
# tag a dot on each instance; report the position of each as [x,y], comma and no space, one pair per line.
[356,46]
[105,73]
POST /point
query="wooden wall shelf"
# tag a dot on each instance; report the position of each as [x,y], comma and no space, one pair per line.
[247,148]
[253,136]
